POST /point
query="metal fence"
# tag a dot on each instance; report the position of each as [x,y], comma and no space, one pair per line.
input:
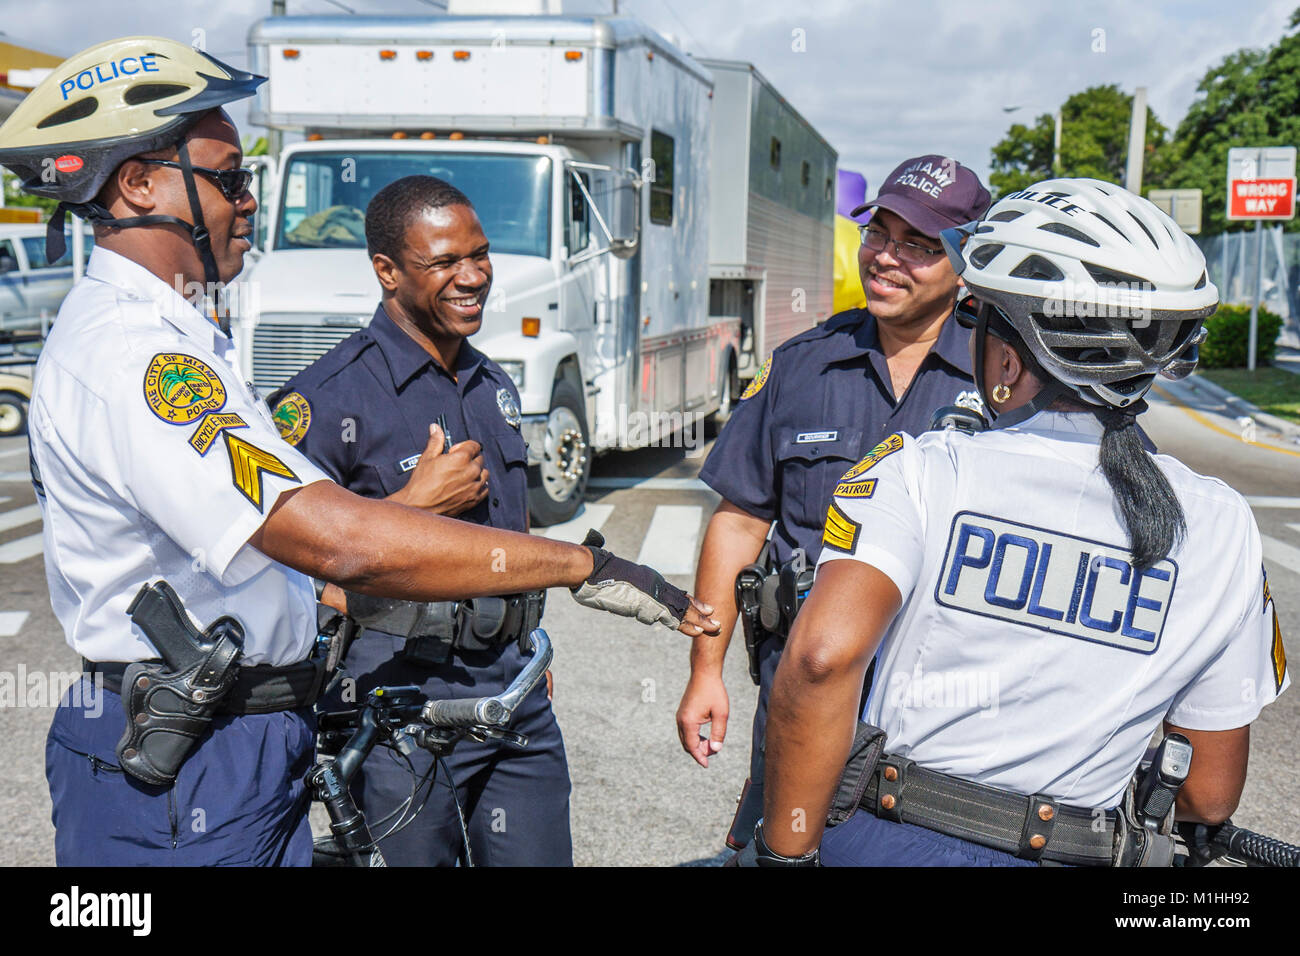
[1232,258]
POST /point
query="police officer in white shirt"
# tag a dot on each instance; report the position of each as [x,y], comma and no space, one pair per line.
[1044,595]
[153,460]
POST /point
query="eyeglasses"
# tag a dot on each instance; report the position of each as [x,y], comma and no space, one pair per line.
[233,183]
[876,239]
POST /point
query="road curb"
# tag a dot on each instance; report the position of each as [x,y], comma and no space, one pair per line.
[1239,406]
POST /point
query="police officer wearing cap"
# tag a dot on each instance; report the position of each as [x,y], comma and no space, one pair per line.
[818,403]
[406,402]
[170,501]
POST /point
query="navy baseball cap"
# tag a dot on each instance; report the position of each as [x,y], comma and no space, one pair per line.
[931,193]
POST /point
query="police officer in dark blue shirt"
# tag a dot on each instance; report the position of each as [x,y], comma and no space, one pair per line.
[819,403]
[408,409]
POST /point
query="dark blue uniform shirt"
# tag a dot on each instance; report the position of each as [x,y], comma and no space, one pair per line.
[823,400]
[362,412]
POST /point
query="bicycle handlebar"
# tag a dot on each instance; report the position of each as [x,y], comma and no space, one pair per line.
[497,711]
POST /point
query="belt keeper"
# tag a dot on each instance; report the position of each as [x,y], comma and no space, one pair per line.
[1040,821]
[889,798]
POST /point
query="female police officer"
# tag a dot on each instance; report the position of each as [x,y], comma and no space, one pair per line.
[1040,615]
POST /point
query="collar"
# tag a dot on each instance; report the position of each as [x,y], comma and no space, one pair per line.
[138,283]
[1078,425]
[406,358]
[952,346]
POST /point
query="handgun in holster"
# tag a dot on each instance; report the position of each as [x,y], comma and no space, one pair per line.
[1145,821]
[170,705]
[793,582]
[748,583]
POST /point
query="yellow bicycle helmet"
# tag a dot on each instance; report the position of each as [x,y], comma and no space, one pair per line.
[110,102]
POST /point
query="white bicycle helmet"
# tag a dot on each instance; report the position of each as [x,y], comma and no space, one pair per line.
[1102,287]
[110,102]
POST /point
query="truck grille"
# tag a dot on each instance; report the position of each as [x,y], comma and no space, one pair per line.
[282,351]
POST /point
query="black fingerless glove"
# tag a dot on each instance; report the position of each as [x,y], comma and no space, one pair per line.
[632,590]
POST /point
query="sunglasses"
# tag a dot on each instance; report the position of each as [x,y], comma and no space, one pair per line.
[233,183]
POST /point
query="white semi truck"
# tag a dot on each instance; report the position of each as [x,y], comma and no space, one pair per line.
[623,306]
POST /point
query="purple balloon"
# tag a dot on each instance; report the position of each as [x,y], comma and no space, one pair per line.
[851,192]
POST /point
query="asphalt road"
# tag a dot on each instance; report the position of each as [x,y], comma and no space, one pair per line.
[637,798]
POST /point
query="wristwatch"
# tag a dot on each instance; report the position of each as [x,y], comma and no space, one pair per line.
[765,856]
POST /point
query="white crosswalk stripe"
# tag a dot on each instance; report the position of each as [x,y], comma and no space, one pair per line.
[11,622]
[22,548]
[19,517]
[1281,553]
[575,529]
[669,544]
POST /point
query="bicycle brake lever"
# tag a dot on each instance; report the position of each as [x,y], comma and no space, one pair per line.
[482,734]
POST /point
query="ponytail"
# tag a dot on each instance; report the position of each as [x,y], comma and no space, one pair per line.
[1151,512]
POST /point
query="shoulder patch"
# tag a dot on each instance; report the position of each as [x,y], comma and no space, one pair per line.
[841,532]
[1278,653]
[292,417]
[247,464]
[756,386]
[179,388]
[886,448]
[856,489]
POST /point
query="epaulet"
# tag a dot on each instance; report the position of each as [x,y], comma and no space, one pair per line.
[334,361]
[838,322]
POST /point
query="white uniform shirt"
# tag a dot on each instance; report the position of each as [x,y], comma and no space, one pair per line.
[154,460]
[1028,654]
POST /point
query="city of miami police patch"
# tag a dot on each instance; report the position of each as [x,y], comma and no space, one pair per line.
[292,417]
[756,386]
[179,388]
[887,447]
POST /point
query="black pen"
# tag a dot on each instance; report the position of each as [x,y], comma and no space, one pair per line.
[446,435]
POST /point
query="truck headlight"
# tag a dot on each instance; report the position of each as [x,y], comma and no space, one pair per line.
[516,372]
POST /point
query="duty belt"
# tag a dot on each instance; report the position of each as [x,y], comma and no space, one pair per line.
[1032,828]
[475,624]
[258,690]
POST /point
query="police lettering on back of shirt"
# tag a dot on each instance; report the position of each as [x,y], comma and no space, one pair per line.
[1012,562]
[341,413]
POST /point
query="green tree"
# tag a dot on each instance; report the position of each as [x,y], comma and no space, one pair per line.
[1094,143]
[1250,98]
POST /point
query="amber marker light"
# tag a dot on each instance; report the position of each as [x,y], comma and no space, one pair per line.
[428,135]
[459,55]
[388,54]
[399,135]
[289,53]
[573,56]
[424,56]
[531,327]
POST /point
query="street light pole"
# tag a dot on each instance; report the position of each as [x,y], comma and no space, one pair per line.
[1137,142]
[1056,146]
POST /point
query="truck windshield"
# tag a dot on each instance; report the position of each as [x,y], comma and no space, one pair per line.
[325,195]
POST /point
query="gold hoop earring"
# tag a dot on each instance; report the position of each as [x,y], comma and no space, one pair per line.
[1001,393]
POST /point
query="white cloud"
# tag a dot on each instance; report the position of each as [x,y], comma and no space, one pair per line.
[881,81]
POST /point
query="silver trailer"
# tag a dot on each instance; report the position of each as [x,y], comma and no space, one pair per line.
[771,214]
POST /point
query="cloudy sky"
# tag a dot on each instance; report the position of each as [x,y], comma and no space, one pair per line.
[882,81]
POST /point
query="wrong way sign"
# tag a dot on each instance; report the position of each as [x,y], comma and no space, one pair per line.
[1261,182]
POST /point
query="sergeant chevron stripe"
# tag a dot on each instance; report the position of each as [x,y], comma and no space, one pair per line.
[247,463]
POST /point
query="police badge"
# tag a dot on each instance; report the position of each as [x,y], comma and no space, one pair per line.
[509,410]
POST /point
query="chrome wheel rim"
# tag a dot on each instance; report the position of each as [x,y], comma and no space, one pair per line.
[564,460]
[10,417]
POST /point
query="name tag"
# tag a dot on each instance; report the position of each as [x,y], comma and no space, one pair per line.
[1054,582]
[406,464]
[807,438]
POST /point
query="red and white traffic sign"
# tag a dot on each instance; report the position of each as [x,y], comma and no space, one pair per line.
[1261,182]
[1261,199]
